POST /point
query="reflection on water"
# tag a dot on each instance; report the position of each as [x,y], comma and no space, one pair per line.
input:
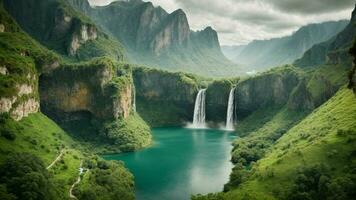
[181,162]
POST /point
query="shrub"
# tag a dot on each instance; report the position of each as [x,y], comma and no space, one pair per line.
[26,177]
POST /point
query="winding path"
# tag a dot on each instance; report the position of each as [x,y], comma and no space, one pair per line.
[58,157]
[77,182]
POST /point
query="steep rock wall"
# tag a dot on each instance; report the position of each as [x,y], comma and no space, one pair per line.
[21,60]
[269,89]
[217,96]
[60,27]
[164,98]
[96,87]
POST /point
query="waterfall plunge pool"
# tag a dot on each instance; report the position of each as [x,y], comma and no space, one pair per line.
[181,162]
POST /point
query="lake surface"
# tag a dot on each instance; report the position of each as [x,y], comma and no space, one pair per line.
[180,162]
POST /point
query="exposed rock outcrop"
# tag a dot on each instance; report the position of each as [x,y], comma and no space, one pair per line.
[174,32]
[61,28]
[352,73]
[164,98]
[2,28]
[217,96]
[154,37]
[270,89]
[93,87]
[86,33]
[22,103]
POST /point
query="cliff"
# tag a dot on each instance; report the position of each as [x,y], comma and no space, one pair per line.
[154,37]
[352,73]
[93,100]
[217,96]
[164,98]
[266,90]
[58,26]
[289,87]
[21,60]
[93,87]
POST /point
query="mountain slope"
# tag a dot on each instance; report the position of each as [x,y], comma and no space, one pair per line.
[326,137]
[30,142]
[58,26]
[156,38]
[264,54]
[334,50]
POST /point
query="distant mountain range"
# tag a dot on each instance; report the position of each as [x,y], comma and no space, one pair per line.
[333,51]
[153,37]
[263,54]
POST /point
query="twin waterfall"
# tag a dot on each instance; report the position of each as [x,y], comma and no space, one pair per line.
[199,111]
[230,111]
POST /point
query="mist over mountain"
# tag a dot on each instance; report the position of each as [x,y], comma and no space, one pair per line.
[333,51]
[153,37]
[263,54]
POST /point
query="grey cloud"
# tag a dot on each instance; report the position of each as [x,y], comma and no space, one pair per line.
[310,6]
[239,21]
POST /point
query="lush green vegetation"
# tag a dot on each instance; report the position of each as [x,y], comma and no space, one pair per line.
[313,159]
[165,98]
[20,56]
[128,134]
[24,176]
[217,96]
[43,141]
[105,180]
[46,22]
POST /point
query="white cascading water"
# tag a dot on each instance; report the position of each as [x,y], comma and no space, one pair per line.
[230,111]
[199,110]
[134,100]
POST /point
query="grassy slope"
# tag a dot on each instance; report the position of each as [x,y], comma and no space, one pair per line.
[40,136]
[306,144]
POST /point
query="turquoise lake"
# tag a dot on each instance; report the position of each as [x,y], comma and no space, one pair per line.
[180,162]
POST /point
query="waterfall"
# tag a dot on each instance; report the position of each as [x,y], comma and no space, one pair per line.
[134,99]
[199,110]
[230,111]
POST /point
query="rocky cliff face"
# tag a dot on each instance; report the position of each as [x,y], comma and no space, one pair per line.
[96,88]
[270,89]
[289,87]
[217,96]
[154,37]
[352,73]
[174,32]
[164,98]
[21,60]
[60,27]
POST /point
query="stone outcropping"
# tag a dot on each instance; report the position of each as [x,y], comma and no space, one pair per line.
[91,87]
[152,36]
[164,98]
[58,26]
[22,104]
[270,89]
[217,96]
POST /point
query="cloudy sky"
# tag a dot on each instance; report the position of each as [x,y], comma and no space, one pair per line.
[241,21]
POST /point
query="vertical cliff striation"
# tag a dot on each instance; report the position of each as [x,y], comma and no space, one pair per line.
[154,37]
[97,96]
[165,98]
[60,27]
[21,62]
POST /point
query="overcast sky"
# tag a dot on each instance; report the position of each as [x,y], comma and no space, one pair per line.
[241,21]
